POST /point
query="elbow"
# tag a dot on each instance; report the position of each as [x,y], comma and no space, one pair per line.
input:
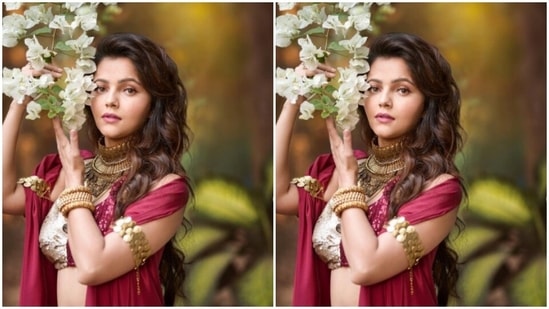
[363,274]
[88,275]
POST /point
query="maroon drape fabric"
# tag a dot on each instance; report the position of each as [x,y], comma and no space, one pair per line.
[312,276]
[39,277]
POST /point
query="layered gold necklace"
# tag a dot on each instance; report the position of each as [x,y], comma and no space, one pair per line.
[107,166]
[382,165]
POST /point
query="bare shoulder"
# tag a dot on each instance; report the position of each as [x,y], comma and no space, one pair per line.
[165,180]
[438,180]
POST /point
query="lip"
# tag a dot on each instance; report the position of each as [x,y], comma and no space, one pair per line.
[110,118]
[384,118]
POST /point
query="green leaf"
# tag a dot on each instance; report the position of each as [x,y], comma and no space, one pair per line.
[529,288]
[60,45]
[39,31]
[476,278]
[312,31]
[255,287]
[471,239]
[199,238]
[204,275]
[225,202]
[335,46]
[498,202]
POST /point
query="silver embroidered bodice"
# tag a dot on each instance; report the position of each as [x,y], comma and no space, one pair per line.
[327,237]
[53,237]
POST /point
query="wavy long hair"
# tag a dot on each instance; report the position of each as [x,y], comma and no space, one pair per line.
[430,149]
[156,149]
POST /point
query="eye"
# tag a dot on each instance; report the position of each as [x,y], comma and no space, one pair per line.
[403,90]
[130,91]
[99,89]
[373,89]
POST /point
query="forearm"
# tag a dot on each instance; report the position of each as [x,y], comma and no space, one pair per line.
[359,240]
[85,239]
[10,132]
[283,133]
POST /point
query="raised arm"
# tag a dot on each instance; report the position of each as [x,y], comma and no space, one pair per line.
[13,195]
[286,193]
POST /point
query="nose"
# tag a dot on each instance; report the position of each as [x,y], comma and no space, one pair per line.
[111,100]
[385,99]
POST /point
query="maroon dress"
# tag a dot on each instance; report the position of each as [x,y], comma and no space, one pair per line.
[312,276]
[39,277]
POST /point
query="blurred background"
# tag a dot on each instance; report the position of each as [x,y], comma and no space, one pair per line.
[225,56]
[498,55]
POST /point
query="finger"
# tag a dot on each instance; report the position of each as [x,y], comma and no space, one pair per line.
[348,141]
[332,131]
[75,148]
[59,133]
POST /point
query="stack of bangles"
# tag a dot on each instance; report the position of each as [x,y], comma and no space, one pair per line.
[76,197]
[349,197]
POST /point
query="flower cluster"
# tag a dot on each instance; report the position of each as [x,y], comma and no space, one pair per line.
[53,30]
[321,31]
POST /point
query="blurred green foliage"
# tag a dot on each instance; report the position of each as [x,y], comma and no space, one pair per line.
[229,245]
[502,247]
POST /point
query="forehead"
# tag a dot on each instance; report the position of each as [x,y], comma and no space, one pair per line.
[393,67]
[116,68]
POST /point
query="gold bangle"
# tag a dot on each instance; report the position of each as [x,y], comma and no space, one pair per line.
[75,197]
[338,210]
[349,197]
[66,208]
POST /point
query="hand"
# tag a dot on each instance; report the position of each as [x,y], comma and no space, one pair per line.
[342,152]
[69,153]
[325,69]
[55,71]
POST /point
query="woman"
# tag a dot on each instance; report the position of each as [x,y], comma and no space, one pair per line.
[373,228]
[105,222]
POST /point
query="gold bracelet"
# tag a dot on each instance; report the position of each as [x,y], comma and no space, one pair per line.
[75,197]
[346,205]
[66,208]
[349,197]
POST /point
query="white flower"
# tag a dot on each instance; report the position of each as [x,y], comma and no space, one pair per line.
[72,6]
[290,85]
[16,84]
[36,53]
[317,81]
[37,14]
[11,6]
[361,66]
[287,26]
[333,22]
[86,65]
[60,22]
[86,17]
[354,43]
[79,45]
[360,17]
[13,28]
[306,110]
[33,111]
[311,14]
[346,6]
[309,53]
[285,6]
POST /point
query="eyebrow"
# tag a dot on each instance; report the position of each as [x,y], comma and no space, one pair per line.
[394,81]
[124,80]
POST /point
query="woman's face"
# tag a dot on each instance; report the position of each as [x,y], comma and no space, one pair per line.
[120,104]
[394,104]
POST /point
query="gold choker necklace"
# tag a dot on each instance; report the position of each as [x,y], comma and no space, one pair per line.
[382,165]
[107,166]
